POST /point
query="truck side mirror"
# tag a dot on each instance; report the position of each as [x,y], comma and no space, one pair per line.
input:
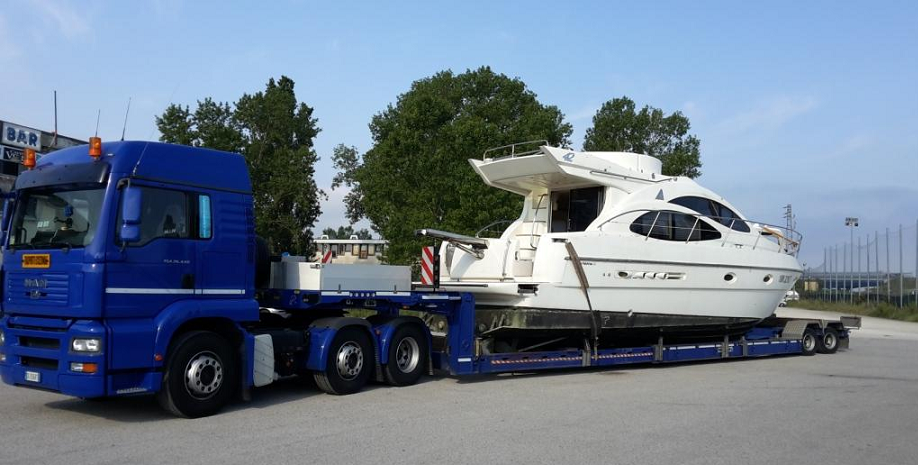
[131,207]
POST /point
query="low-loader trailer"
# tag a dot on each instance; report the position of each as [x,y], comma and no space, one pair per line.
[133,268]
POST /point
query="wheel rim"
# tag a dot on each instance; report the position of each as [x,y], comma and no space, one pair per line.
[407,355]
[830,340]
[349,360]
[203,375]
[809,342]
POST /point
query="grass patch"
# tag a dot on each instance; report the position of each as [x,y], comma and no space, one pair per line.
[881,310]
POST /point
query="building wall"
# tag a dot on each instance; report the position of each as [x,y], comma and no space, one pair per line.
[15,138]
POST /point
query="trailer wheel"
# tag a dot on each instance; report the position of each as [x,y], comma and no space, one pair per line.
[349,365]
[828,343]
[200,375]
[407,356]
[809,342]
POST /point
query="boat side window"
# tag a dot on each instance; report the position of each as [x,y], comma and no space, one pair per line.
[576,209]
[713,209]
[673,226]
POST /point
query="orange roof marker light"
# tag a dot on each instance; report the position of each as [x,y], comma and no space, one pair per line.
[95,147]
[28,158]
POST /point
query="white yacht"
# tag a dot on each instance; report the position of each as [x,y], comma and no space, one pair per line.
[606,243]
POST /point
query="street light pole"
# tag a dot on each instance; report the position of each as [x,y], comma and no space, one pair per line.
[851,222]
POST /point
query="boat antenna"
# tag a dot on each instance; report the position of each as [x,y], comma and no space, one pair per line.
[54,141]
[98,116]
[124,127]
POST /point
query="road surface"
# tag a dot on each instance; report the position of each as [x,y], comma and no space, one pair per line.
[857,406]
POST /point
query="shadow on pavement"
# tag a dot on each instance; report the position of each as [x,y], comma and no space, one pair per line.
[146,408]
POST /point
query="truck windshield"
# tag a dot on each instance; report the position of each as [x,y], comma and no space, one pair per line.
[56,218]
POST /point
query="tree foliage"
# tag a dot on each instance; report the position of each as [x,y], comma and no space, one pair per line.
[345,232]
[275,135]
[617,126]
[417,173]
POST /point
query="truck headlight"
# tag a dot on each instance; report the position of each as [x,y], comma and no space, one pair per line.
[86,345]
[2,337]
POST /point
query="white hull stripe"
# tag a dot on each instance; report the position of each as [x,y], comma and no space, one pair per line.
[165,291]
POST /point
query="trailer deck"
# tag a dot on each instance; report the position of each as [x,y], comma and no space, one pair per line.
[462,355]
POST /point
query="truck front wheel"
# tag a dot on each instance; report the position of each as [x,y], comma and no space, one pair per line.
[350,363]
[200,375]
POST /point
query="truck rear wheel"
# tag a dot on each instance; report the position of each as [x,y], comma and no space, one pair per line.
[809,342]
[828,343]
[407,356]
[350,363]
[200,375]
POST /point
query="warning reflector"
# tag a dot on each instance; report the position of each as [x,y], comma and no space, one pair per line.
[427,265]
[327,257]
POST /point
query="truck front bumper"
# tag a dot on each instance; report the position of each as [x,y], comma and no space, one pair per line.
[38,354]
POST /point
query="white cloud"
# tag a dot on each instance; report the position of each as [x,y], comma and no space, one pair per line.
[71,22]
[10,49]
[768,114]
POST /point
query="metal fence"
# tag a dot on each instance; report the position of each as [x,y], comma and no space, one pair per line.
[868,269]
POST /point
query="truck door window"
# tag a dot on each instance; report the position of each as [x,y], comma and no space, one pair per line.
[164,214]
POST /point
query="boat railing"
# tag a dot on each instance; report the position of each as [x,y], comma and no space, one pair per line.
[490,229]
[518,149]
[787,240]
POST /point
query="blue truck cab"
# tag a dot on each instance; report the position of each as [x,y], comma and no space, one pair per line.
[107,258]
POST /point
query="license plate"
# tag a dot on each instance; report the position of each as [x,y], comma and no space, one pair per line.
[33,376]
[36,260]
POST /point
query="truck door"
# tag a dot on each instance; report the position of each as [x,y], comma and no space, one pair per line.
[158,269]
[225,262]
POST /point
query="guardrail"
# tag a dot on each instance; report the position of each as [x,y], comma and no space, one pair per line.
[515,150]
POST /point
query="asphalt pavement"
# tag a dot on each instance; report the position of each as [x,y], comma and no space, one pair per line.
[859,406]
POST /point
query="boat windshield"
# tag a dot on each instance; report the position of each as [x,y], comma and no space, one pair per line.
[49,217]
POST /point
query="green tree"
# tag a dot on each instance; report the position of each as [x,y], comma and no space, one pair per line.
[617,126]
[275,135]
[417,173]
[345,232]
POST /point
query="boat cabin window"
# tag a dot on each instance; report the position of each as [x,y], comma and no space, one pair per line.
[575,209]
[713,209]
[673,226]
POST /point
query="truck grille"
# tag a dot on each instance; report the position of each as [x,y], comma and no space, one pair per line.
[38,288]
[38,362]
[39,342]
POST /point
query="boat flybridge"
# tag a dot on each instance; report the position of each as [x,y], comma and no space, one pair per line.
[606,243]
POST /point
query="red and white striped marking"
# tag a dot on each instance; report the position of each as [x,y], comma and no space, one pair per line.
[327,257]
[427,265]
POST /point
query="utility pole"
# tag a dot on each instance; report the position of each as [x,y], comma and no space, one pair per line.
[859,263]
[825,272]
[867,250]
[851,223]
[888,288]
[876,257]
[901,280]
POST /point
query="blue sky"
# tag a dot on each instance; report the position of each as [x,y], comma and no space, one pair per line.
[809,103]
